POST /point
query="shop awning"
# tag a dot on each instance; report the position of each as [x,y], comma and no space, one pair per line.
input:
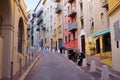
[101,32]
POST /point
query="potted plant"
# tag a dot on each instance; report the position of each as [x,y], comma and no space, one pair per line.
[92,50]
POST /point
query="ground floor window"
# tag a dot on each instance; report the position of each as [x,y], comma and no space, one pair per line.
[106,42]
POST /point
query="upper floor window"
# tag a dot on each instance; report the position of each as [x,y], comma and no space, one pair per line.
[50,8]
[69,37]
[91,23]
[102,16]
[66,39]
[90,4]
[51,28]
[50,18]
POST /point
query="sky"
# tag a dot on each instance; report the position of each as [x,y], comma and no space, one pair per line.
[31,4]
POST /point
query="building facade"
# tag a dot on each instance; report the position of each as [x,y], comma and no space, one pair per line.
[49,21]
[114,12]
[13,38]
[58,35]
[94,31]
[70,25]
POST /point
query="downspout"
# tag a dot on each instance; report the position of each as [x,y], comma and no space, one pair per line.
[12,58]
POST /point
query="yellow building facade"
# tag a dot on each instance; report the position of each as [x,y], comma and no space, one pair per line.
[114,16]
[13,38]
[58,34]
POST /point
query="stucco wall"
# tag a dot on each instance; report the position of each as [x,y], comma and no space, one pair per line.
[115,51]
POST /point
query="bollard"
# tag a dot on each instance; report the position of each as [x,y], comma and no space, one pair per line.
[105,73]
[66,55]
[92,66]
[84,63]
[58,50]
[53,50]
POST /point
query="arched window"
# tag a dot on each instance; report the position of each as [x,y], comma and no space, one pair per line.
[20,35]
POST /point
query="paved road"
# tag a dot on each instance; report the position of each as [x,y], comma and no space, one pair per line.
[53,66]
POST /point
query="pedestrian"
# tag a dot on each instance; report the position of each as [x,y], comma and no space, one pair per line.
[81,57]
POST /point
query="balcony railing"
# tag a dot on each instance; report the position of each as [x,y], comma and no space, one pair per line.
[104,3]
[39,20]
[72,13]
[39,12]
[58,9]
[70,1]
[72,26]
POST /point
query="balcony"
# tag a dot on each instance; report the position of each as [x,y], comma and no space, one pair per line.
[104,3]
[72,12]
[56,0]
[39,12]
[58,9]
[72,27]
[70,1]
[43,27]
[39,20]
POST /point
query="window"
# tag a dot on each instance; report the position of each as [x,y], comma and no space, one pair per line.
[91,23]
[74,36]
[68,22]
[102,16]
[65,39]
[51,28]
[69,37]
[45,40]
[50,18]
[68,9]
[50,8]
[90,4]
[117,44]
[82,23]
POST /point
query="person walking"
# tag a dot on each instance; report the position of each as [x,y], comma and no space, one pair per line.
[81,57]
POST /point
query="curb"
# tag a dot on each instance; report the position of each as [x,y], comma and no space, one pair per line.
[29,69]
[111,74]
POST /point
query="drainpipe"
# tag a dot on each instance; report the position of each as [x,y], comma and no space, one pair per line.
[11,71]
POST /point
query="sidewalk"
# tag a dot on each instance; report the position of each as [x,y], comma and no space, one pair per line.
[99,65]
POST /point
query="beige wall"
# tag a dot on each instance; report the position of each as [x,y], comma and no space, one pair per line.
[115,51]
[89,13]
[9,52]
[1,47]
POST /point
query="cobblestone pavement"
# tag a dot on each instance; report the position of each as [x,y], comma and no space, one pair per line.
[53,66]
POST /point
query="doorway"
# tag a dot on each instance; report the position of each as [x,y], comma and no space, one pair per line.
[98,45]
[83,43]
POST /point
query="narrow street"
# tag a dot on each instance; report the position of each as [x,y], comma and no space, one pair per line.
[53,66]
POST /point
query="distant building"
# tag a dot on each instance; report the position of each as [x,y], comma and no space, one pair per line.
[70,24]
[58,27]
[49,20]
